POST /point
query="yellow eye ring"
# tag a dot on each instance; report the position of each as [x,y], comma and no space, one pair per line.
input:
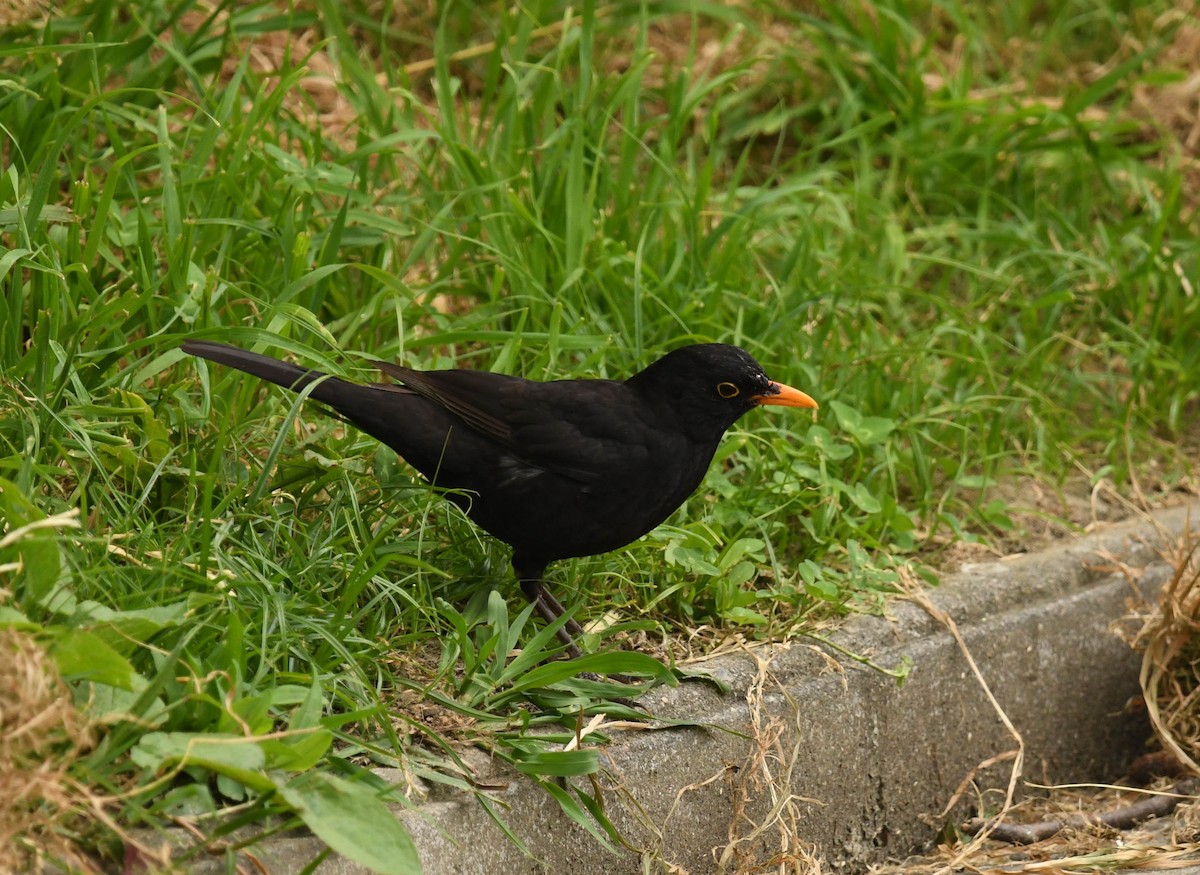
[728,390]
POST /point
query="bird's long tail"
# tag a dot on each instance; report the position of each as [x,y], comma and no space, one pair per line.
[337,393]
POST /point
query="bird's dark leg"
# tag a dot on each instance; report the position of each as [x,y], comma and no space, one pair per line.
[549,600]
[534,587]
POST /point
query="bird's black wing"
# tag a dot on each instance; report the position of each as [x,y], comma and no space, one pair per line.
[466,394]
[575,428]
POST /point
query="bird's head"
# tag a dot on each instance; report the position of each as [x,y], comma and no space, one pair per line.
[710,386]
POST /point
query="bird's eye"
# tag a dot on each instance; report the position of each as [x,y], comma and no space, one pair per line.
[728,390]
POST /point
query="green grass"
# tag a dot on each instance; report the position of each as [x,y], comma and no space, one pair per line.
[950,223]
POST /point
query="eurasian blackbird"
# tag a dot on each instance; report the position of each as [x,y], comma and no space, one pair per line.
[556,469]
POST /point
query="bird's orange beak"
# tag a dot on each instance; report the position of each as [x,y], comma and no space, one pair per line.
[786,396]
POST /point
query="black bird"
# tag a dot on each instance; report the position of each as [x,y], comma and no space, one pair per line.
[555,469]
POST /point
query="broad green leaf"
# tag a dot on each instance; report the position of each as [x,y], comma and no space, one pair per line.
[36,548]
[198,748]
[232,756]
[827,445]
[996,513]
[248,711]
[297,753]
[867,430]
[823,589]
[863,498]
[188,800]
[974,481]
[689,558]
[739,548]
[559,763]
[10,616]
[740,573]
[597,663]
[353,821]
[109,704]
[236,757]
[744,616]
[84,655]
[124,629]
[308,715]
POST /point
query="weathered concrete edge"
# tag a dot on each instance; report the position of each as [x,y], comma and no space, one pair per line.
[876,757]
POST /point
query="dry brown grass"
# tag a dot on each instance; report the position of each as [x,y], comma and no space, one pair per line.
[14,12]
[1170,643]
[763,833]
[1175,106]
[41,735]
[1164,844]
[767,774]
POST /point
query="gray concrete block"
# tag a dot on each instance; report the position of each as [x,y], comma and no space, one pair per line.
[866,764]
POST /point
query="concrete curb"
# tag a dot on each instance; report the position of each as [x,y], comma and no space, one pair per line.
[867,762]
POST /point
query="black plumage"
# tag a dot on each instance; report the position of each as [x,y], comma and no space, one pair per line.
[555,469]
